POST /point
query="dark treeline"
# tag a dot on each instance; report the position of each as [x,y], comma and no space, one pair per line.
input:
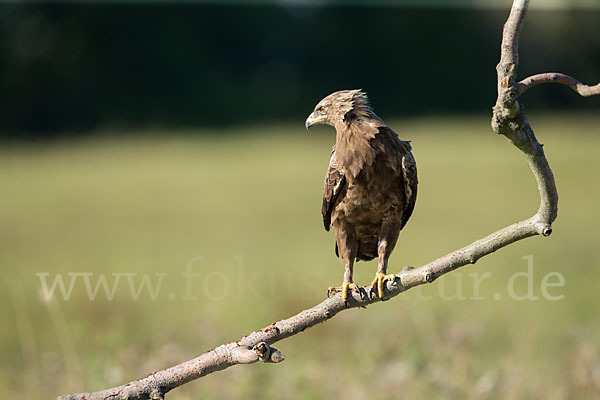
[75,68]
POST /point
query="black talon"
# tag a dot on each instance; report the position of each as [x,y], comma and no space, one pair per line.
[362,292]
[372,293]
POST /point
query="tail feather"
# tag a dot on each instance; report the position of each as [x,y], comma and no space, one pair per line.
[366,250]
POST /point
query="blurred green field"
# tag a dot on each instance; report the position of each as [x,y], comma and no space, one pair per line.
[242,210]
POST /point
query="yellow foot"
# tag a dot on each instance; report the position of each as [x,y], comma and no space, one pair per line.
[345,288]
[379,283]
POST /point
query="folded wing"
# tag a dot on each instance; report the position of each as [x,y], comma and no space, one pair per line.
[334,189]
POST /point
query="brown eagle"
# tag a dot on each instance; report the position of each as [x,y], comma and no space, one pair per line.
[370,187]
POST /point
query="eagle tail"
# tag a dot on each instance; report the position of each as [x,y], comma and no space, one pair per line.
[366,250]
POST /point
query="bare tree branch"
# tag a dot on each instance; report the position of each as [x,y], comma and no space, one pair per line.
[155,385]
[508,119]
[556,77]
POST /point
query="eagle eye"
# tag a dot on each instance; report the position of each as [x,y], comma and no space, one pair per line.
[322,110]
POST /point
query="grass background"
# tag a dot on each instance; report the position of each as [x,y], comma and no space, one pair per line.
[247,201]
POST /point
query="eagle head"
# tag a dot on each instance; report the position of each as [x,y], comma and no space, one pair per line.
[340,108]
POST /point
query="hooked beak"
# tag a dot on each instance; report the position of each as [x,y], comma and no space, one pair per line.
[312,119]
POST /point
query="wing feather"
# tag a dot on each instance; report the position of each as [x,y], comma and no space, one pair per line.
[409,172]
[333,187]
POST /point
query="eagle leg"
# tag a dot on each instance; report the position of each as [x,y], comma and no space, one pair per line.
[347,248]
[386,245]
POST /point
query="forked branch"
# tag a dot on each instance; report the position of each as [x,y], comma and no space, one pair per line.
[556,77]
[508,119]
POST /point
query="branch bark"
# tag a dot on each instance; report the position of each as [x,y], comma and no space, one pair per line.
[509,120]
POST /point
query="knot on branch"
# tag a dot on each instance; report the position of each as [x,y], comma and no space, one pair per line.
[508,96]
[156,394]
[544,229]
[268,353]
[507,119]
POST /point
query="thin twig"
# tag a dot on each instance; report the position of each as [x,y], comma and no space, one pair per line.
[508,120]
[556,77]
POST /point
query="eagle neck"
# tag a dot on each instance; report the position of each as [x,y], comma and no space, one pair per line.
[353,146]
